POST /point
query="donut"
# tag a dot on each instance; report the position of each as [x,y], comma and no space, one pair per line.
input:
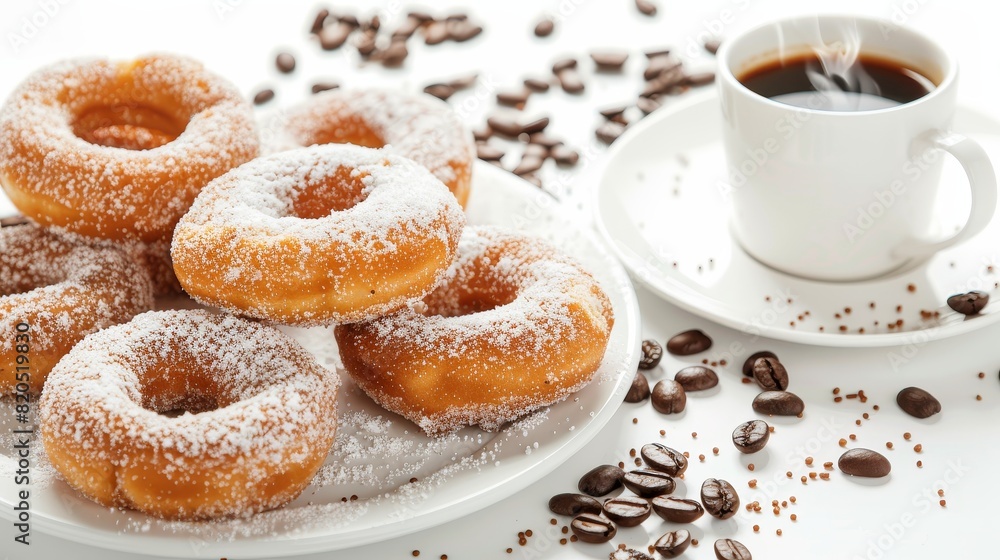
[514,326]
[189,415]
[328,234]
[118,150]
[53,292]
[418,126]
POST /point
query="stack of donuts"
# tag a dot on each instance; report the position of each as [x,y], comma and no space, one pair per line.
[143,178]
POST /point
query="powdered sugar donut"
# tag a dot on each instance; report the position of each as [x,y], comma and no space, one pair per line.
[417,126]
[259,416]
[513,326]
[119,150]
[53,292]
[327,234]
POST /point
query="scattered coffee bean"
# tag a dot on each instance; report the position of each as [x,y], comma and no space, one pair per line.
[482,134]
[647,105]
[969,303]
[285,62]
[673,544]
[422,17]
[728,549]
[688,342]
[627,511]
[668,397]
[677,510]
[488,153]
[536,85]
[319,21]
[528,164]
[696,378]
[639,391]
[669,82]
[918,403]
[406,29]
[441,91]
[366,44]
[544,140]
[535,126]
[601,480]
[659,64]
[591,528]
[545,28]
[508,128]
[563,64]
[614,113]
[463,31]
[570,81]
[664,459]
[435,33]
[263,96]
[719,498]
[864,462]
[652,353]
[333,36]
[320,87]
[609,131]
[513,98]
[564,155]
[770,374]
[536,150]
[778,403]
[647,483]
[572,505]
[712,45]
[646,7]
[609,61]
[751,437]
[699,78]
[464,82]
[748,364]
[394,55]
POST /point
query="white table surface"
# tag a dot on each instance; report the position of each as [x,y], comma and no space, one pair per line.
[840,518]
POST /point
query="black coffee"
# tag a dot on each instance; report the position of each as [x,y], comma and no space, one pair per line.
[870,82]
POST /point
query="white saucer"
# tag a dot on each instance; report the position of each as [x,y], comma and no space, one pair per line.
[660,205]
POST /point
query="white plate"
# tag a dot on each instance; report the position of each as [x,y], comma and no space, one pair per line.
[661,203]
[456,476]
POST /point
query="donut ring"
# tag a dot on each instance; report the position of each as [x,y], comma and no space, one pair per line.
[513,326]
[59,291]
[260,422]
[326,234]
[417,126]
[120,150]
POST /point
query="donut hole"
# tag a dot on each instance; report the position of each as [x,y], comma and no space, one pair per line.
[479,295]
[172,392]
[344,128]
[333,192]
[131,126]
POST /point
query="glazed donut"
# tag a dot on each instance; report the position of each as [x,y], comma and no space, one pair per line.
[417,126]
[58,291]
[327,234]
[258,416]
[514,326]
[119,150]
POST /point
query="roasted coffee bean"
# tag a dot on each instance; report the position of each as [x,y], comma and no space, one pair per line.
[639,391]
[482,134]
[422,17]
[537,85]
[677,510]
[406,29]
[627,511]
[570,81]
[728,549]
[688,342]
[646,7]
[770,374]
[917,403]
[394,55]
[969,303]
[667,82]
[574,504]
[435,33]
[374,24]
[659,64]
[594,529]
[528,164]
[441,91]
[719,498]
[864,462]
[285,62]
[464,82]
[748,364]
[601,481]
[488,153]
[544,140]
[608,61]
[513,98]
[699,78]
[463,31]
[668,397]
[263,96]
[648,483]
[545,28]
[612,113]
[778,403]
[334,35]
[508,128]
[751,437]
[696,378]
[366,44]
[536,150]
[319,21]
[673,544]
[567,156]
[535,126]
[563,64]
[320,87]
[609,131]
[652,353]
[664,459]
[647,105]
[712,45]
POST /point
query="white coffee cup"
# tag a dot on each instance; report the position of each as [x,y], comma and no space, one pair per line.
[801,177]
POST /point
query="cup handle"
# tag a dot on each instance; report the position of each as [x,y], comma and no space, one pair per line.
[982,181]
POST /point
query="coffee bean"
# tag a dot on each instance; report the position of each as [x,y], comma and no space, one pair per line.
[407,28]
[673,544]
[751,437]
[667,82]
[659,64]
[422,17]
[350,20]
[464,82]
[536,150]
[712,45]
[668,397]
[513,98]
[728,549]
[770,374]
[528,164]
[333,36]
[648,483]
[570,81]
[609,131]
[696,378]
[688,342]
[664,459]
[482,134]
[574,504]
[285,62]
[263,96]
[639,391]
[394,55]
[646,7]
[374,24]
[435,33]
[719,498]
[627,511]
[748,364]
[652,353]
[508,128]
[864,462]
[609,61]
[320,87]
[594,529]
[488,153]
[699,78]
[969,303]
[647,105]
[778,403]
[563,64]
[537,85]
[462,31]
[544,140]
[564,155]
[545,28]
[535,126]
[366,44]
[677,510]
[441,91]
[601,481]
[319,21]
[918,403]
